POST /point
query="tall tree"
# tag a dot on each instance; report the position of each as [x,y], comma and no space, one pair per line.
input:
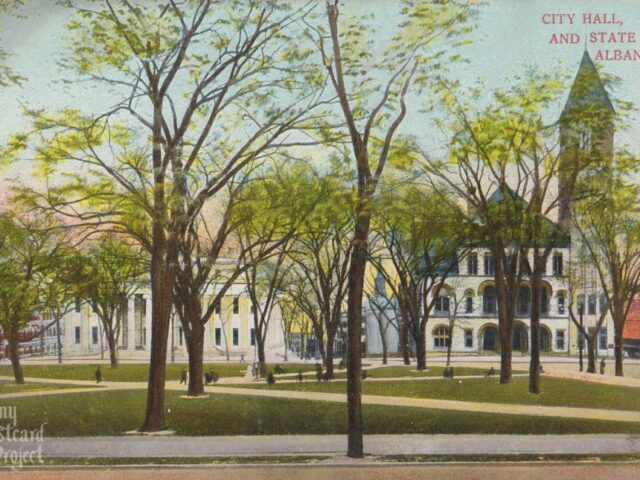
[372,96]
[201,89]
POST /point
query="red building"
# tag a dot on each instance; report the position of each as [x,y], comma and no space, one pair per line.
[631,334]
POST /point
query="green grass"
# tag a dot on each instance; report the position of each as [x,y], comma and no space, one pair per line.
[133,372]
[116,412]
[554,391]
[408,371]
[10,387]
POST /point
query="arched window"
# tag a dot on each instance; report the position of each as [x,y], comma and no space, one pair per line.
[441,336]
[561,303]
[489,299]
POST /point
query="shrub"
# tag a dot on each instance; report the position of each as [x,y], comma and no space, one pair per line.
[278,370]
[364,374]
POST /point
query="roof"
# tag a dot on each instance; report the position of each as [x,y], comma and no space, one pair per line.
[587,89]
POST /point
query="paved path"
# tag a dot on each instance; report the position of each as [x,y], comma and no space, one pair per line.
[265,445]
[480,407]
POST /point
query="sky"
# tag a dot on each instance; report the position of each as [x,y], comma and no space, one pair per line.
[510,35]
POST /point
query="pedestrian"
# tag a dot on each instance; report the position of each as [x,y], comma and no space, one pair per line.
[183,377]
[602,365]
[98,374]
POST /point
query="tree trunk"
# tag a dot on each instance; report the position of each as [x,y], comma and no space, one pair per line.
[404,336]
[14,356]
[617,347]
[534,365]
[262,361]
[162,259]
[591,353]
[357,268]
[505,325]
[59,339]
[195,349]
[384,349]
[113,354]
[421,348]
[328,361]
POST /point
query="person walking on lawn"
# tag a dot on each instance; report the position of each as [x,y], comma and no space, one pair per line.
[98,374]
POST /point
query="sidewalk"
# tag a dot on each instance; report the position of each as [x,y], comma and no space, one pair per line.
[142,446]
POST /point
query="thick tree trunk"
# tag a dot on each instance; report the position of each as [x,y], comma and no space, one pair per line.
[328,361]
[262,359]
[534,365]
[113,354]
[421,348]
[162,259]
[505,321]
[14,356]
[617,346]
[591,353]
[195,349]
[357,268]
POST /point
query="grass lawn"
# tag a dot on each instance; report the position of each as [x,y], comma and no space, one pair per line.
[10,387]
[554,391]
[115,412]
[133,372]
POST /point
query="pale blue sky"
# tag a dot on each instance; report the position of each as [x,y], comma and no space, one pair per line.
[510,34]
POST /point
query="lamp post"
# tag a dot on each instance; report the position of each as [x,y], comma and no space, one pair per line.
[581,335]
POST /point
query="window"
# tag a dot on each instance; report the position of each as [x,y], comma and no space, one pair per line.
[441,337]
[472,264]
[489,299]
[468,338]
[236,305]
[253,337]
[254,310]
[602,338]
[559,339]
[489,264]
[469,304]
[442,304]
[524,300]
[77,305]
[218,336]
[180,333]
[235,337]
[94,335]
[557,264]
[561,303]
[603,303]
[77,332]
[591,304]
[217,307]
[544,301]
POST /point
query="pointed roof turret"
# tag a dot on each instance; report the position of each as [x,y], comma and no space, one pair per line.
[587,90]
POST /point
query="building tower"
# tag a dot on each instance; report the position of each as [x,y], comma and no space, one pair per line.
[586,133]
